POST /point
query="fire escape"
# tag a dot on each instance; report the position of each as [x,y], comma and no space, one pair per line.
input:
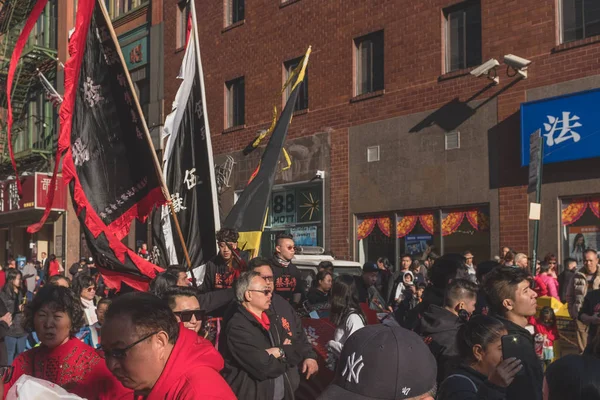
[32,135]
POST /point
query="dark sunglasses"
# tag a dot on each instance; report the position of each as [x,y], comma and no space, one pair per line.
[120,354]
[91,289]
[6,371]
[266,292]
[186,316]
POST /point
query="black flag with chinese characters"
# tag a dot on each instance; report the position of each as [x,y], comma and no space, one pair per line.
[188,171]
[108,161]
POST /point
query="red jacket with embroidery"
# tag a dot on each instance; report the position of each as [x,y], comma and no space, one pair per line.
[192,372]
[74,366]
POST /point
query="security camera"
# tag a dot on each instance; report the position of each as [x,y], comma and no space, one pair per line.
[517,64]
[318,175]
[485,67]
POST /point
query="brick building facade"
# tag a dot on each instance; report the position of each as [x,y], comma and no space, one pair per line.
[419,186]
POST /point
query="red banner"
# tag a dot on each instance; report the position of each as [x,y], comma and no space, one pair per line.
[35,192]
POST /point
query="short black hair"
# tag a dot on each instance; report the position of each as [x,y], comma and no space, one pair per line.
[281,236]
[326,265]
[459,290]
[172,293]
[500,284]
[102,301]
[58,298]
[479,330]
[258,262]
[406,255]
[447,268]
[484,268]
[569,260]
[147,313]
[544,267]
[82,281]
[176,269]
[162,282]
[227,235]
[322,274]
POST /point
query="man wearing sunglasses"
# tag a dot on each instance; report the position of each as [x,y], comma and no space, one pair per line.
[260,356]
[186,307]
[285,312]
[148,351]
[288,279]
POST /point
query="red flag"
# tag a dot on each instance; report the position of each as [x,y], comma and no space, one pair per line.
[14,61]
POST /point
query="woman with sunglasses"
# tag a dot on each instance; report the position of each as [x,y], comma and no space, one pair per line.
[84,286]
[56,315]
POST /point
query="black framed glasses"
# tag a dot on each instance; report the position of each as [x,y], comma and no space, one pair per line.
[186,315]
[267,278]
[266,292]
[6,371]
[120,354]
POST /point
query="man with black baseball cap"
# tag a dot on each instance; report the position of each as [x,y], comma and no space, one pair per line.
[381,362]
[366,281]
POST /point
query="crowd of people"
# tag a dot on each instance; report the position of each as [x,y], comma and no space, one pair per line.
[439,327]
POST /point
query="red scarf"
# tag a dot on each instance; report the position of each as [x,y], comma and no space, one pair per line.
[263,320]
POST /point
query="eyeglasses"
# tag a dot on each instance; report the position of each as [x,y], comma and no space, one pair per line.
[91,289]
[6,372]
[266,292]
[186,315]
[268,278]
[291,247]
[120,354]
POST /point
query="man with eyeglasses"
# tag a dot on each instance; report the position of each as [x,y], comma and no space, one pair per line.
[223,269]
[258,347]
[286,314]
[148,351]
[288,279]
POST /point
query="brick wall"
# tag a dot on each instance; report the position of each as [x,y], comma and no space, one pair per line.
[414,83]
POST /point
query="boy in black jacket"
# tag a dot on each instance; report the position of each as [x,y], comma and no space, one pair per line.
[512,300]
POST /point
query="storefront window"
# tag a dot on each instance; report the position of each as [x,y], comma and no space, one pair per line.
[581,226]
[418,233]
[376,238]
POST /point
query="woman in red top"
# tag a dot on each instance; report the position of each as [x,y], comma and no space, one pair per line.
[54,268]
[56,315]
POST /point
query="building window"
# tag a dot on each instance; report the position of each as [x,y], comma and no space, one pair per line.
[369,63]
[302,100]
[463,36]
[116,8]
[183,14]
[580,220]
[234,11]
[235,102]
[580,19]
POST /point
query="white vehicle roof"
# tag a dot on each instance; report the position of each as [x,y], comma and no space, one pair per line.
[314,260]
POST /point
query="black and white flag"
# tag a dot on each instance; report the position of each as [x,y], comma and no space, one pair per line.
[188,171]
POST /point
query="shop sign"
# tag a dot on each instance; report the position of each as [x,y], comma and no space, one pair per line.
[299,205]
[34,195]
[283,205]
[568,125]
[304,235]
[136,53]
[417,244]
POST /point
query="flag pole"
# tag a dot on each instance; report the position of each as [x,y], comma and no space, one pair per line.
[211,163]
[157,167]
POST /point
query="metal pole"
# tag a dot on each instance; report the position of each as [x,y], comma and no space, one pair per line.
[536,223]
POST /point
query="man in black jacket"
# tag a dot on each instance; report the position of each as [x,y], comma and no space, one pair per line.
[439,325]
[564,278]
[288,279]
[223,269]
[260,355]
[288,316]
[512,300]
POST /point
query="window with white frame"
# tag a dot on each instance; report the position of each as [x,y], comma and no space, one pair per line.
[463,35]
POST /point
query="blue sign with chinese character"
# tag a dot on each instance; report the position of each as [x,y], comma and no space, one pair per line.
[570,126]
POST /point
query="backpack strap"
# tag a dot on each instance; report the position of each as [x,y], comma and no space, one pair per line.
[464,377]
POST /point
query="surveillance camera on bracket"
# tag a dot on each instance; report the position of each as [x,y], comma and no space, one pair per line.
[517,64]
[488,69]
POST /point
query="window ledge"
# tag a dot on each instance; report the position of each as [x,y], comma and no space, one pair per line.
[285,3]
[366,96]
[131,15]
[179,50]
[454,74]
[233,26]
[576,43]
[300,112]
[235,129]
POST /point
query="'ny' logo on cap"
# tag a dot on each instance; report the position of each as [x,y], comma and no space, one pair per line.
[353,368]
